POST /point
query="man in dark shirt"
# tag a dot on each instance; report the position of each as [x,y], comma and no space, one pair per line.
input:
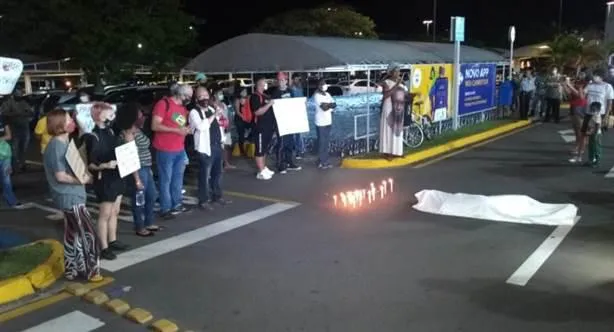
[264,127]
[285,148]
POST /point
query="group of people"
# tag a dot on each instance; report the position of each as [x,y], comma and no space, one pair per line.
[590,98]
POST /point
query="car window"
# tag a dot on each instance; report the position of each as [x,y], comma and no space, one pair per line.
[344,83]
[248,82]
[120,97]
[373,85]
[361,83]
[69,100]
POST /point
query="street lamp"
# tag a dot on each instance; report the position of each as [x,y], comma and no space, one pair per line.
[428,25]
[139,45]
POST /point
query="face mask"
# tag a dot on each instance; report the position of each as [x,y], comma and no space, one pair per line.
[554,72]
[597,79]
[324,87]
[203,102]
[220,97]
[185,102]
[266,87]
[84,99]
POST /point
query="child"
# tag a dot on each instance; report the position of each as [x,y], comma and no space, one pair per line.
[591,130]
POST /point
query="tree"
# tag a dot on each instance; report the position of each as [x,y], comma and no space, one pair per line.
[100,35]
[573,51]
[333,20]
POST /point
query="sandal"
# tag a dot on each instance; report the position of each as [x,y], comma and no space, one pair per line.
[145,233]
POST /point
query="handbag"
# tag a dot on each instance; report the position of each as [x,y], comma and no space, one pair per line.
[5,150]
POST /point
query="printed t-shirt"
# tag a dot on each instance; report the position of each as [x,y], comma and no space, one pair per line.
[173,116]
[601,93]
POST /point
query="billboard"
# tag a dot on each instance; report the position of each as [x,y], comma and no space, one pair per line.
[477,87]
[432,86]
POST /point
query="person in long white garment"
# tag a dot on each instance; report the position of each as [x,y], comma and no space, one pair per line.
[390,143]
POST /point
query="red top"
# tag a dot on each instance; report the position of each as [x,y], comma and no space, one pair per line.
[578,100]
[174,116]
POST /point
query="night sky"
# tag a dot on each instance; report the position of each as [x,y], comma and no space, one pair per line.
[487,21]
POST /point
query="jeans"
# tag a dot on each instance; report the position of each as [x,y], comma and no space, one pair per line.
[299,145]
[7,186]
[144,215]
[285,152]
[171,166]
[210,175]
[20,142]
[323,133]
[525,104]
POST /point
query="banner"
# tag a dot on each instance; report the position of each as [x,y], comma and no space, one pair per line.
[432,86]
[477,87]
[291,115]
[10,71]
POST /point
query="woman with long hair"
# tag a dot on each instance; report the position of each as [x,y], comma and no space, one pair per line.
[108,185]
[81,247]
[142,187]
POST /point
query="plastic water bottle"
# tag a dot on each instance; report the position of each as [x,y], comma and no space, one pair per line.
[140,198]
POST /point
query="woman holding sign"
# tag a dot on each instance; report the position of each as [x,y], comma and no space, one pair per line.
[108,185]
[81,250]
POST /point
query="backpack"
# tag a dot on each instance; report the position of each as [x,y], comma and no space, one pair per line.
[247,114]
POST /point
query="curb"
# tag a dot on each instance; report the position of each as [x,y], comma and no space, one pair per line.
[434,151]
[42,276]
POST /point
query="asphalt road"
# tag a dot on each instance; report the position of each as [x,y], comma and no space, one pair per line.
[266,264]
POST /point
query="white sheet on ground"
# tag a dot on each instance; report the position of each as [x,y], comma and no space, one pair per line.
[507,208]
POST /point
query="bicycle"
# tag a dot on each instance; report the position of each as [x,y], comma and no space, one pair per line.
[419,129]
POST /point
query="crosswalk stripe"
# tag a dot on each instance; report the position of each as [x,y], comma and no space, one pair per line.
[610,174]
[75,321]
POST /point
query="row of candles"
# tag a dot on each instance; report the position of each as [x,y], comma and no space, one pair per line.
[359,197]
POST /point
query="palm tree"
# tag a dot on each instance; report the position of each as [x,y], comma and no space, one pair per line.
[572,52]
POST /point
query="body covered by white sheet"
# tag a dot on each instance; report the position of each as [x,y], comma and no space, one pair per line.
[507,208]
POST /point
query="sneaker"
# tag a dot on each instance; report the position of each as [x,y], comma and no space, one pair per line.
[107,254]
[20,206]
[168,215]
[299,157]
[222,201]
[282,170]
[575,160]
[325,166]
[180,209]
[294,168]
[118,246]
[263,175]
[266,169]
[205,206]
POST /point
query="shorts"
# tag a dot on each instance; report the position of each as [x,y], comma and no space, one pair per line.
[263,138]
[108,188]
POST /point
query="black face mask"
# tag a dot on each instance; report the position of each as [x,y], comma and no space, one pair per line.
[203,102]
[108,123]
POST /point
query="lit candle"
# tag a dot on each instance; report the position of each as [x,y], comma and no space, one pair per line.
[390,181]
[335,200]
[385,185]
[343,199]
[381,191]
[370,195]
[350,196]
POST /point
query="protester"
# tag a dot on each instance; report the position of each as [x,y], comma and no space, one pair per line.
[591,132]
[108,185]
[265,126]
[554,94]
[204,122]
[285,144]
[325,104]
[223,117]
[577,110]
[169,124]
[297,91]
[142,187]
[391,145]
[5,165]
[598,93]
[244,119]
[81,246]
[40,130]
[18,114]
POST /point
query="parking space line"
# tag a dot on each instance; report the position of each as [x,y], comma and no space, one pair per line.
[530,266]
[162,247]
[246,195]
[75,321]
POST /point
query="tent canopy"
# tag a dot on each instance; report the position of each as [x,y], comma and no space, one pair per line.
[257,52]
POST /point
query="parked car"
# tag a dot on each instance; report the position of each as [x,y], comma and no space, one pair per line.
[357,86]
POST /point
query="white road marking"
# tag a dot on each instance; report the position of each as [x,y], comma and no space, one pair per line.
[159,248]
[32,162]
[568,135]
[75,321]
[610,174]
[530,266]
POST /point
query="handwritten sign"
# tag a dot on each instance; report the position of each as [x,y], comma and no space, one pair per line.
[10,71]
[127,156]
[77,163]
[84,117]
[291,115]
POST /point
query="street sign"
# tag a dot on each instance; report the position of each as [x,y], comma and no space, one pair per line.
[457,29]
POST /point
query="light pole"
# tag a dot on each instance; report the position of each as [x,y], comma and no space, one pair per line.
[434,21]
[512,37]
[428,25]
[560,15]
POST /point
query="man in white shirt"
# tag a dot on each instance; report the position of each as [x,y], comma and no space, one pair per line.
[323,120]
[208,144]
[527,90]
[598,91]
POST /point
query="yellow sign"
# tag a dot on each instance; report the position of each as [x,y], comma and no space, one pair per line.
[432,86]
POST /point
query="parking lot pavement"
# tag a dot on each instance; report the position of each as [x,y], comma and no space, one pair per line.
[306,266]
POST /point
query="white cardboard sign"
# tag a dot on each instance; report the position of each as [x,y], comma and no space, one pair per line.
[291,115]
[127,156]
[10,71]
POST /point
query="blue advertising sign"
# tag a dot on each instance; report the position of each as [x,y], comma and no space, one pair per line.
[477,87]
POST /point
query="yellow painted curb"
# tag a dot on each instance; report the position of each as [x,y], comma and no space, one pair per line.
[429,153]
[40,277]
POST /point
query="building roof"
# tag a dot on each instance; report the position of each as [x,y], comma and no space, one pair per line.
[257,52]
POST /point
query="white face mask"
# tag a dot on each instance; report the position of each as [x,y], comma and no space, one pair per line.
[324,87]
[266,87]
[220,97]
[84,99]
